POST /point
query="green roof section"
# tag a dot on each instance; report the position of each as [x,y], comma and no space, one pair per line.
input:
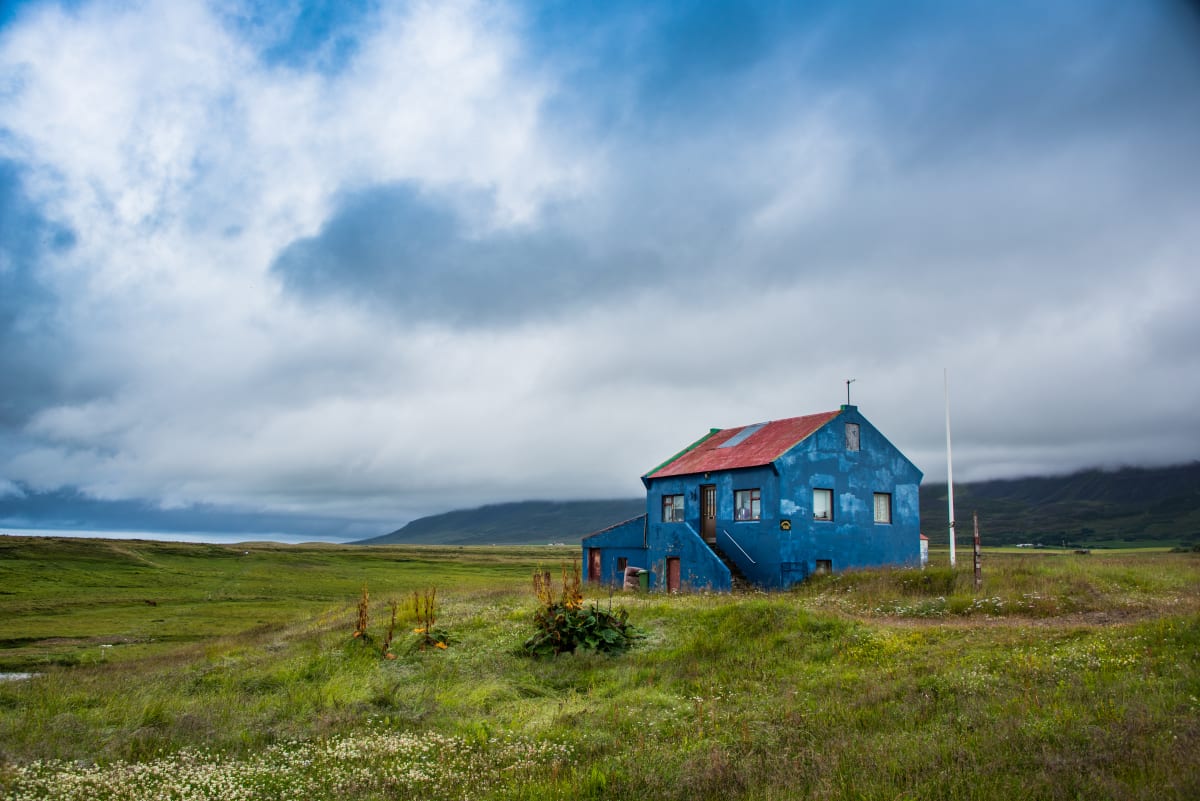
[691,447]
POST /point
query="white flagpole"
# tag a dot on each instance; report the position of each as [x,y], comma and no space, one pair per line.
[949,463]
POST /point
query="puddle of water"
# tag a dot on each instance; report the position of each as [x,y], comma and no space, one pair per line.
[16,676]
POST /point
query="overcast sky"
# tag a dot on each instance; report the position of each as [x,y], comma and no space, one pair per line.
[372,260]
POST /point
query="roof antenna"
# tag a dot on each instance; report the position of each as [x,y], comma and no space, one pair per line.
[849,381]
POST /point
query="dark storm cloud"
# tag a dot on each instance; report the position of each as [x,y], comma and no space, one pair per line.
[30,351]
[943,79]
[405,253]
[983,143]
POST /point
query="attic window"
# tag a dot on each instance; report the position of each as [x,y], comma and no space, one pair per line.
[747,504]
[883,507]
[851,436]
[822,504]
[672,509]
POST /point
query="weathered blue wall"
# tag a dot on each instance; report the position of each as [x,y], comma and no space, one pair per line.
[624,540]
[784,545]
[852,539]
[699,567]
[753,536]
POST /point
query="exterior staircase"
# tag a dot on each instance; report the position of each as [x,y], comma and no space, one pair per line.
[738,580]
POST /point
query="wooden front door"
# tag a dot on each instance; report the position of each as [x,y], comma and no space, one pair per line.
[672,574]
[708,512]
[594,565]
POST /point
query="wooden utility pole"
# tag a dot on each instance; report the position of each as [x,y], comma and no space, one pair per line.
[978,566]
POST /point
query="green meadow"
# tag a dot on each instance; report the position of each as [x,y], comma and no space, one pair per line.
[181,671]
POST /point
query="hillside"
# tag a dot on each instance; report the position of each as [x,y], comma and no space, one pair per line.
[1133,505]
[521,523]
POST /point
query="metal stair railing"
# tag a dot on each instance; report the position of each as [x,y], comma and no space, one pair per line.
[739,547]
[727,565]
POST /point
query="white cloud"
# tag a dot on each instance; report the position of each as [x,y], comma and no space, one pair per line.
[732,269]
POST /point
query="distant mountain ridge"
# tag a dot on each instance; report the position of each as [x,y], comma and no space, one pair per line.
[1132,505]
[519,523]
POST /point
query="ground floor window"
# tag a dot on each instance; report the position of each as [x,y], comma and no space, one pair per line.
[747,504]
[824,567]
[883,507]
[672,509]
[822,504]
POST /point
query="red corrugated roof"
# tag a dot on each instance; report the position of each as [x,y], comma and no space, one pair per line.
[763,446]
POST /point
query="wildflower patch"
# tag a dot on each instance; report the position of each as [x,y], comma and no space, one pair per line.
[376,764]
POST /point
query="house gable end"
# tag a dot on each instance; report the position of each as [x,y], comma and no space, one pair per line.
[832,431]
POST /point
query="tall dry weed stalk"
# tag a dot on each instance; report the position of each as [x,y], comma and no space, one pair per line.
[387,641]
[571,596]
[424,609]
[364,613]
[543,587]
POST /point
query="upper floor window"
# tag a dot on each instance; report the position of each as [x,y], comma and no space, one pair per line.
[747,504]
[822,504]
[883,507]
[672,509]
[851,436]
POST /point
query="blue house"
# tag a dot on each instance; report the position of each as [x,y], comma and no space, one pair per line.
[769,504]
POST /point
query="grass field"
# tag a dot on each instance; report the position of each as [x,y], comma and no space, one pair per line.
[194,671]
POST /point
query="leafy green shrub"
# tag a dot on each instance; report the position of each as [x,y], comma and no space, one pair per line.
[564,624]
[561,628]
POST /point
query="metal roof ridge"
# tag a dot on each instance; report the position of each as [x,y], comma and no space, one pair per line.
[813,422]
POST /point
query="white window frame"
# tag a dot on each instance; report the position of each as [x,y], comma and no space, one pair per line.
[827,494]
[883,507]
